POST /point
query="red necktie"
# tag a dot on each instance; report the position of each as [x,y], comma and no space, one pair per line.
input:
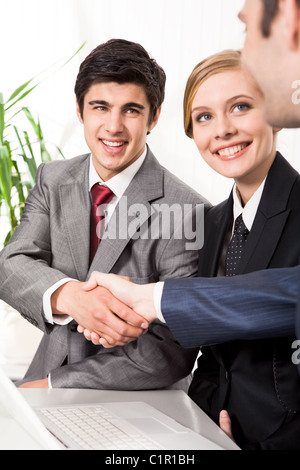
[100,195]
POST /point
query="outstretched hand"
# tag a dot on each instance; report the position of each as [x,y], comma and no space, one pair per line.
[97,310]
[138,297]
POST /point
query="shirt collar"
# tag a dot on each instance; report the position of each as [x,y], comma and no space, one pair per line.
[250,209]
[118,183]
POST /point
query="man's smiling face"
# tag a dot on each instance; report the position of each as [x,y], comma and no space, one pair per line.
[116,122]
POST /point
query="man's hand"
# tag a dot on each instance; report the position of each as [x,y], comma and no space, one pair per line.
[97,310]
[225,423]
[43,383]
[138,297]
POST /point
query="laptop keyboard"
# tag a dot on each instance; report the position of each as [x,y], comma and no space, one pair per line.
[95,428]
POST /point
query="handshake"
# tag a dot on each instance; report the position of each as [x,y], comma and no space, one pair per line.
[125,313]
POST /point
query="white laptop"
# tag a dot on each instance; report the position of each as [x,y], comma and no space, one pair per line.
[123,426]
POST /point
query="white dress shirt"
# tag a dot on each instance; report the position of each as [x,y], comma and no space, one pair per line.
[249,213]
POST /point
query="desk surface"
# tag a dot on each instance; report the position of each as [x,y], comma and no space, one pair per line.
[174,403]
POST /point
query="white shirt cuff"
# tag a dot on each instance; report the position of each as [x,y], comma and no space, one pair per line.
[50,317]
[49,381]
[157,295]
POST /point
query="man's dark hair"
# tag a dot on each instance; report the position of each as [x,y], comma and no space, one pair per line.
[122,61]
[270,10]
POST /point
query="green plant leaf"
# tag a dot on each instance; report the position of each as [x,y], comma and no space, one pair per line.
[22,96]
[60,152]
[18,184]
[23,87]
[19,90]
[31,163]
[35,125]
[5,174]
[72,57]
[18,146]
[45,155]
[2,122]
[8,236]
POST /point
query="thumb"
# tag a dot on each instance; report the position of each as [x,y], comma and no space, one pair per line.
[114,283]
[225,423]
[91,283]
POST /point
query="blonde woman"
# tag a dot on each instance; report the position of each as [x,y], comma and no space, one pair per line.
[255,381]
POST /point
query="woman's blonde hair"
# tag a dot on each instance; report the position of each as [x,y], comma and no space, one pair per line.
[217,63]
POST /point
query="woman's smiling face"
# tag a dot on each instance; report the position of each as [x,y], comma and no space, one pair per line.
[229,127]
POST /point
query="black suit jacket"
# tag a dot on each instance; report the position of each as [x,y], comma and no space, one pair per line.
[256,381]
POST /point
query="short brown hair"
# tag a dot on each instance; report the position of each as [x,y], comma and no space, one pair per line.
[122,61]
[217,63]
[270,11]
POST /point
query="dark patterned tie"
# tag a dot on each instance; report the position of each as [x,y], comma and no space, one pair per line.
[236,246]
[100,195]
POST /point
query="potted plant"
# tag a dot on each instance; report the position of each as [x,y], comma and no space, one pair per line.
[22,148]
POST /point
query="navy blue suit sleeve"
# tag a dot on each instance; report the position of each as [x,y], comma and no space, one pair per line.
[206,311]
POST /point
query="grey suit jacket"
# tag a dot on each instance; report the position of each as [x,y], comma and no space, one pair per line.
[52,242]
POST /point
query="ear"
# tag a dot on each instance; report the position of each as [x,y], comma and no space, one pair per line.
[290,11]
[155,120]
[78,112]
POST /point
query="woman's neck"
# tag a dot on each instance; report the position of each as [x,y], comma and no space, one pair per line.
[249,184]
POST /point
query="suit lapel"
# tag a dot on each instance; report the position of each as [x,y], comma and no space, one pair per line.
[75,204]
[218,222]
[262,242]
[131,214]
[270,219]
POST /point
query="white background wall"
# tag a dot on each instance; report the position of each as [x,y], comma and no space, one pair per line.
[35,34]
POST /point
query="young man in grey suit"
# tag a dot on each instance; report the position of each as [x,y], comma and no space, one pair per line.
[119,92]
